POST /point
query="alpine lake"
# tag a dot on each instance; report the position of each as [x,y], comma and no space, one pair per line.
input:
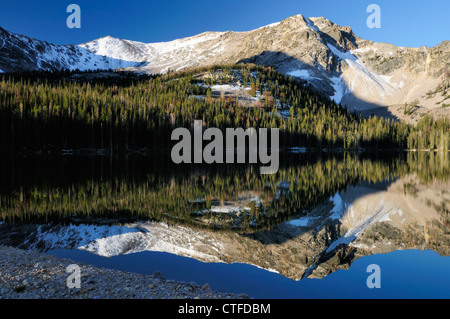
[312,230]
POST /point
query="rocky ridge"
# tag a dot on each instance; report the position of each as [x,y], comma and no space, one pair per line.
[369,77]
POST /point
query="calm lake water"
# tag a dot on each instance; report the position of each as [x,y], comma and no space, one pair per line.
[407,274]
[309,231]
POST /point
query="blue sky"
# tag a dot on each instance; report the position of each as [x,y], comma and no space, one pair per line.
[403,22]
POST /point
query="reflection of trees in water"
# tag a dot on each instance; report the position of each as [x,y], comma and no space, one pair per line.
[146,189]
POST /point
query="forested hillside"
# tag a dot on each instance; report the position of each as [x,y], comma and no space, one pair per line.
[119,111]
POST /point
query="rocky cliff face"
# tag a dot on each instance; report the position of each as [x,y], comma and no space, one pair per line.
[365,76]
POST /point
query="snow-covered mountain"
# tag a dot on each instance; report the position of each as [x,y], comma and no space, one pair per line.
[361,74]
[19,53]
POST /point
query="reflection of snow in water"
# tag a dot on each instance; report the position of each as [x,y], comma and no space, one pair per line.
[339,207]
[359,215]
[303,222]
[109,241]
[228,209]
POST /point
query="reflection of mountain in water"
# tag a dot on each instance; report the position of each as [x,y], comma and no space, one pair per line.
[353,221]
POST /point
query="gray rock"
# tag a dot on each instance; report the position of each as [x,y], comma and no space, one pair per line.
[158,275]
[206,287]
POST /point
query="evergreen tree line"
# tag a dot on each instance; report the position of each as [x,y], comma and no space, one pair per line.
[64,110]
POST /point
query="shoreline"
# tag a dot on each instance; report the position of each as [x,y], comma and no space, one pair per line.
[31,275]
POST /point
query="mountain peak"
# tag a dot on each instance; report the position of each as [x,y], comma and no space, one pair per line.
[356,72]
[108,37]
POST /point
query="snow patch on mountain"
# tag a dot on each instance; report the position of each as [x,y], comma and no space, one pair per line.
[269,26]
[358,77]
[185,43]
[339,88]
[303,74]
[311,25]
[225,87]
[119,49]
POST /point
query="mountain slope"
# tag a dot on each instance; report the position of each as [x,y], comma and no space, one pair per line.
[19,53]
[361,74]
